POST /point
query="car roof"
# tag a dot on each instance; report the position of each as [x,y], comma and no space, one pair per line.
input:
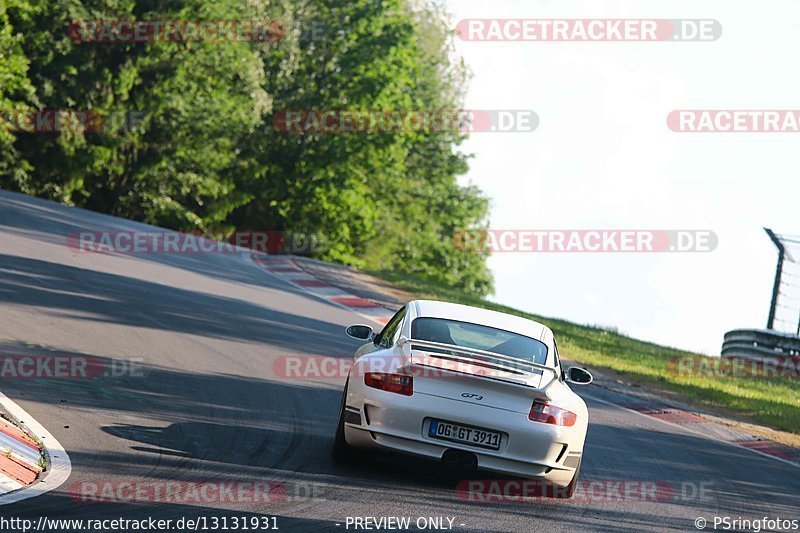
[486,317]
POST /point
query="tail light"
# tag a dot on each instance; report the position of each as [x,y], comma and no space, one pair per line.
[550,414]
[397,383]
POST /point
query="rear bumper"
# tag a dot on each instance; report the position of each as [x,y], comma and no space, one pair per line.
[400,423]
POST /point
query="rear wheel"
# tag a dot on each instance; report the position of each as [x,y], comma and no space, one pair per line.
[341,451]
[569,490]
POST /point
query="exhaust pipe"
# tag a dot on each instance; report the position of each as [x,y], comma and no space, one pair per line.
[469,461]
[459,458]
[450,458]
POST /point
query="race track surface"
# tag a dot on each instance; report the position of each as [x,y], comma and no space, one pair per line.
[205,403]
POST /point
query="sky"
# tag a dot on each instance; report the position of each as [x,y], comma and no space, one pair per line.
[603,157]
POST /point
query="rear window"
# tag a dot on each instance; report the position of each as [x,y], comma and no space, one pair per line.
[479,337]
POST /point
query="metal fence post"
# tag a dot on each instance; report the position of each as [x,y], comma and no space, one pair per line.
[776,286]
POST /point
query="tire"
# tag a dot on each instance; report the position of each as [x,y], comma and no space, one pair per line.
[569,490]
[341,452]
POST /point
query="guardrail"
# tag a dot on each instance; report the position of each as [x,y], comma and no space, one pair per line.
[759,343]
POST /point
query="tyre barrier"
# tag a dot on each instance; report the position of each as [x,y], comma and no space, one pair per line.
[759,344]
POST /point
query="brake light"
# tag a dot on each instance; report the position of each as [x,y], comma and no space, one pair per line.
[397,383]
[550,414]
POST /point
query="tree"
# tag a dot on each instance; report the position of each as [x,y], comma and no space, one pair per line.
[16,93]
[202,152]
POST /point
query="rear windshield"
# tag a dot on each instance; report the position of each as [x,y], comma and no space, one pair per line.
[480,337]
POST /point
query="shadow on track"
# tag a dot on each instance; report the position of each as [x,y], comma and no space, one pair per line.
[89,295]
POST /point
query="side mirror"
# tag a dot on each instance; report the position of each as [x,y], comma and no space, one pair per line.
[578,376]
[360,332]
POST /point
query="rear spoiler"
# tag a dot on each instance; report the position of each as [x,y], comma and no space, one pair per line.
[481,356]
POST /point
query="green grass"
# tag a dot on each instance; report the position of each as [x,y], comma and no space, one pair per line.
[772,402]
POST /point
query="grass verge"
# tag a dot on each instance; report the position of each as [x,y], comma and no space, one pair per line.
[773,402]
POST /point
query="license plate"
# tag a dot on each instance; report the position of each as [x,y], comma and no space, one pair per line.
[483,438]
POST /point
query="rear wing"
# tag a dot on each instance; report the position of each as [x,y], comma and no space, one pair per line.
[490,359]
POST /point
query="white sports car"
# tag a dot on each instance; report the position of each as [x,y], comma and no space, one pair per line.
[467,386]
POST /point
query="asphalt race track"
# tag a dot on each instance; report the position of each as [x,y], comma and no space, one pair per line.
[205,405]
